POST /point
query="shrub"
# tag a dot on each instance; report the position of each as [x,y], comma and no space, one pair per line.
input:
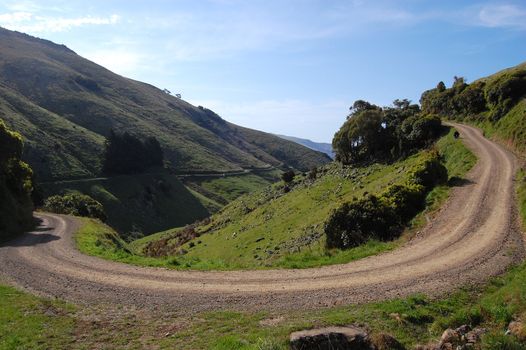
[288,176]
[406,200]
[75,204]
[16,185]
[313,173]
[429,172]
[354,223]
[383,217]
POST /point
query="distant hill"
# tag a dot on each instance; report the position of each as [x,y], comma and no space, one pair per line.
[65,105]
[317,146]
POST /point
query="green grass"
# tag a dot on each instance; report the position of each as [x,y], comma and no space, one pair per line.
[457,158]
[521,195]
[95,238]
[44,95]
[143,203]
[228,188]
[28,322]
[283,221]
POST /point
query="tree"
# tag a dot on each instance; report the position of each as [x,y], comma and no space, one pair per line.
[360,137]
[379,134]
[16,185]
[288,176]
[127,154]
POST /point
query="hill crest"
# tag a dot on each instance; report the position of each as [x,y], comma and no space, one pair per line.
[65,105]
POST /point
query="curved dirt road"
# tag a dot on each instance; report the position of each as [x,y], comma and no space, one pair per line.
[475,236]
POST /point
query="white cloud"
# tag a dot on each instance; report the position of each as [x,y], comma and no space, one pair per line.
[15,17]
[23,6]
[509,16]
[28,22]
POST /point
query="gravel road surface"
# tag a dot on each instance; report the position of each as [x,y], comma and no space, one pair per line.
[476,235]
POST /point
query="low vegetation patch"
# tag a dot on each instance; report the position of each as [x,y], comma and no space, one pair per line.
[75,204]
[271,229]
[521,195]
[384,216]
[30,322]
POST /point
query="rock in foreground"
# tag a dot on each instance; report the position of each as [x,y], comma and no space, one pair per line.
[331,338]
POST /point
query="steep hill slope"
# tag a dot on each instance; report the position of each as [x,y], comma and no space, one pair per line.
[64,105]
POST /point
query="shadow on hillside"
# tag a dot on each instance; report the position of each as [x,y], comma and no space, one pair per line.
[32,239]
[33,236]
[456,181]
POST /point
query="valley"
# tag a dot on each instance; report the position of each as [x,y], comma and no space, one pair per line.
[413,268]
[133,219]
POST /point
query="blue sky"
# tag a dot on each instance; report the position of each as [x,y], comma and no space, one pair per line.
[284,66]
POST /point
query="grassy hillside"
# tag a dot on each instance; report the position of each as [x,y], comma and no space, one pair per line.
[148,203]
[511,127]
[224,189]
[142,203]
[65,105]
[496,103]
[271,228]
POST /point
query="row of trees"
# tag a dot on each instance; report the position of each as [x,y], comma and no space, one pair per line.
[127,154]
[16,185]
[372,133]
[494,96]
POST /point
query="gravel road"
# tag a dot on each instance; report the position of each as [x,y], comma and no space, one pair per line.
[476,235]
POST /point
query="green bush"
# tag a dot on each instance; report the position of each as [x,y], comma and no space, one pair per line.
[16,185]
[383,217]
[288,176]
[354,223]
[406,200]
[503,92]
[371,133]
[75,204]
[429,172]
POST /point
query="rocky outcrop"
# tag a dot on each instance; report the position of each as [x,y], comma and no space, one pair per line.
[383,341]
[461,338]
[331,338]
[518,329]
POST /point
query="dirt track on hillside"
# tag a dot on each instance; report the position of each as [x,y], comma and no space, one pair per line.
[474,236]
